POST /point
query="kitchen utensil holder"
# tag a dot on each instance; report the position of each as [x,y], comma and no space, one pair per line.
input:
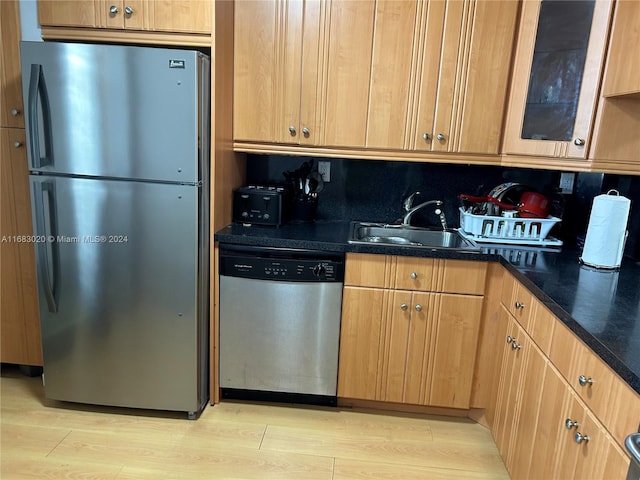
[524,231]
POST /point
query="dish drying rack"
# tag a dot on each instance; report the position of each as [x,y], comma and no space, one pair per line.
[506,230]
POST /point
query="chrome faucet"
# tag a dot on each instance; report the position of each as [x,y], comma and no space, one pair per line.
[410,209]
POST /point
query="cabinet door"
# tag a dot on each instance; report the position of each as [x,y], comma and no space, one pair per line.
[345,88]
[482,98]
[363,311]
[399,325]
[189,16]
[11,111]
[391,72]
[255,70]
[504,426]
[556,77]
[68,13]
[586,444]
[19,318]
[548,446]
[437,55]
[456,320]
[528,408]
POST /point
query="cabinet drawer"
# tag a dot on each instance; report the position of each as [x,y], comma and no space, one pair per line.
[585,372]
[518,301]
[416,274]
[367,270]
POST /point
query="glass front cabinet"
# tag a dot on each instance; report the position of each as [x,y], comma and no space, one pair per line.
[556,78]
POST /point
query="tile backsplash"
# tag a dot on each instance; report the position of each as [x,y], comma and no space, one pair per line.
[373,190]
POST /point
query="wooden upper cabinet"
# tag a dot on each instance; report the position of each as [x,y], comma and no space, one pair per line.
[379,75]
[179,16]
[11,108]
[186,16]
[556,78]
[68,13]
[267,70]
[623,72]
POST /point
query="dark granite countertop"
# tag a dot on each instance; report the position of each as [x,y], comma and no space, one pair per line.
[600,307]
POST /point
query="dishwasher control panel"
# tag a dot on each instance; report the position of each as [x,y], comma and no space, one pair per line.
[282,266]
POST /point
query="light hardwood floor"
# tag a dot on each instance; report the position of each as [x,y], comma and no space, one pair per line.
[234,440]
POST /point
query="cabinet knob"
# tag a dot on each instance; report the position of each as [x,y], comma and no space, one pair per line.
[128,11]
[306,132]
[579,142]
[519,304]
[403,307]
[515,345]
[113,10]
[440,137]
[426,136]
[585,381]
[292,130]
[571,424]
[414,275]
[15,112]
[17,144]
[509,339]
[418,308]
[579,438]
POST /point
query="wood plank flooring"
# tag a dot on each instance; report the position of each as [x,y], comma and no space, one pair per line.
[41,439]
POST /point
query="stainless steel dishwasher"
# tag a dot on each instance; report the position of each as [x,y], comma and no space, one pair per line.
[280,323]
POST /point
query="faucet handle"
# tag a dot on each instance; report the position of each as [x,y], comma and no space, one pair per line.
[408,202]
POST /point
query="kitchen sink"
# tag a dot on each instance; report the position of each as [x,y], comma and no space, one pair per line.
[407,236]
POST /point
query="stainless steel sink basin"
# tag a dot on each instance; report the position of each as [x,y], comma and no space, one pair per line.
[406,236]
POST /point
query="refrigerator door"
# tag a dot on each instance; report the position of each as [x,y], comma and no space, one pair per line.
[115,111]
[118,280]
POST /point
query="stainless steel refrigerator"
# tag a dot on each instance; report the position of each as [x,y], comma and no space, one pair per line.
[118,149]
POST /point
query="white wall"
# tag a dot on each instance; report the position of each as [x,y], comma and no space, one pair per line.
[29,20]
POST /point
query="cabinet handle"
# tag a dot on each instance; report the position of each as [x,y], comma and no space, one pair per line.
[128,11]
[520,304]
[403,307]
[571,424]
[585,381]
[113,10]
[17,144]
[579,438]
[515,345]
[418,307]
[426,137]
[414,275]
[15,112]
[440,137]
[292,130]
[305,132]
[579,142]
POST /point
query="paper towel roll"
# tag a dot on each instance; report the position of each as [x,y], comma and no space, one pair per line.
[607,231]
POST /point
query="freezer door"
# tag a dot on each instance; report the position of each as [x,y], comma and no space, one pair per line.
[115,111]
[118,279]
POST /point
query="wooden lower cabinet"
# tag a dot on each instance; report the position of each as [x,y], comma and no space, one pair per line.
[408,347]
[545,425]
[19,316]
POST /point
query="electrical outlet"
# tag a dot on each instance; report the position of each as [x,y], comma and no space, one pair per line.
[324,169]
[566,182]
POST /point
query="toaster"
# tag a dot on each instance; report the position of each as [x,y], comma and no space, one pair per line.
[259,205]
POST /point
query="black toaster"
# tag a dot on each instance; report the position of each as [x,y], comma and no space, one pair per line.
[260,205]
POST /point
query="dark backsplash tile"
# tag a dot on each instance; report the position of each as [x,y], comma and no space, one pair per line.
[373,190]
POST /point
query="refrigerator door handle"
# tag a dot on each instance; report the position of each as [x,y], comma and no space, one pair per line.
[50,279]
[38,90]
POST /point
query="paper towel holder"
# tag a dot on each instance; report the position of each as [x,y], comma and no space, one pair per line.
[621,244]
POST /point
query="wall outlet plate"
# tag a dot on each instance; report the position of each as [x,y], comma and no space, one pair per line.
[324,169]
[566,182]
